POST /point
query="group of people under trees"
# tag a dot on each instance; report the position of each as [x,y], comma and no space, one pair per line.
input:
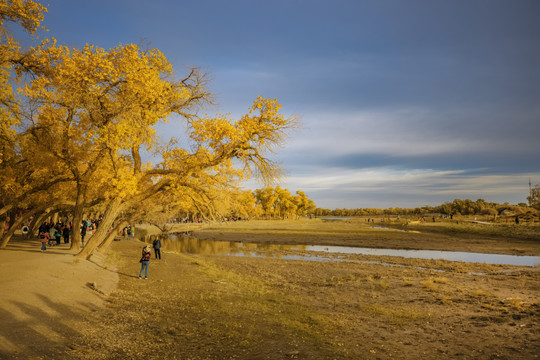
[52,234]
[128,231]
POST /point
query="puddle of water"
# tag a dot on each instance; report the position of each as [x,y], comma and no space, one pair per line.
[392,229]
[334,218]
[337,259]
[499,259]
[384,228]
[181,244]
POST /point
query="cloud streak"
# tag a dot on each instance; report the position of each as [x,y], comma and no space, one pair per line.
[386,187]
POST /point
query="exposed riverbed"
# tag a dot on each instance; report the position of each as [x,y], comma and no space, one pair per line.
[190,245]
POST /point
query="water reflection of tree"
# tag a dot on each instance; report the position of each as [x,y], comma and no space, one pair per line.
[180,243]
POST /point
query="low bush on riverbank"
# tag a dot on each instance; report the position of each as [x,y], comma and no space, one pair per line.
[468,228]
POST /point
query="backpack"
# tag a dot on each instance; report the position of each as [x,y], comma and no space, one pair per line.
[42,236]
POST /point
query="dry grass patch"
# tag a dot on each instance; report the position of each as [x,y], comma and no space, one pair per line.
[396,315]
[515,303]
[440,280]
[429,284]
[480,293]
[264,302]
[408,282]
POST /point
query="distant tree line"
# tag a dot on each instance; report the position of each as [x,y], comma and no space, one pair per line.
[456,207]
[266,203]
[279,203]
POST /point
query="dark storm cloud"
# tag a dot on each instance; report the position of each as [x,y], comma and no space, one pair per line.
[473,164]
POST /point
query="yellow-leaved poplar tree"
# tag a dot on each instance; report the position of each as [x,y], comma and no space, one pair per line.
[91,111]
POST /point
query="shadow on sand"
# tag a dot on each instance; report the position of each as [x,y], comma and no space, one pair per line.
[44,331]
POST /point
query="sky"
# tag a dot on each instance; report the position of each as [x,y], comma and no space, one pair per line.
[403,103]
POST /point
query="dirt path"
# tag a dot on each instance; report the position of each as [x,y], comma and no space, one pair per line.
[47,297]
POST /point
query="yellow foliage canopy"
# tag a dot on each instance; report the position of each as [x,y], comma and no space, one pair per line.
[29,15]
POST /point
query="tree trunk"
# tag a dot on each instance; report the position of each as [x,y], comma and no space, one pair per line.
[3,220]
[76,242]
[111,213]
[12,217]
[16,225]
[6,209]
[110,238]
[35,223]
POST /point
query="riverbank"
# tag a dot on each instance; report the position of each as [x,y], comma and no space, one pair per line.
[226,307]
[441,235]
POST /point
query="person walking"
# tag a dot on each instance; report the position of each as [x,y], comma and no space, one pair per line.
[145,261]
[156,244]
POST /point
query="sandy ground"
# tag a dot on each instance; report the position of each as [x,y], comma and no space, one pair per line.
[47,296]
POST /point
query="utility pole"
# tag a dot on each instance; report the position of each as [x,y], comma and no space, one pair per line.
[530,198]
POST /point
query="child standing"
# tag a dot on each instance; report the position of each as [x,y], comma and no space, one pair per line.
[43,237]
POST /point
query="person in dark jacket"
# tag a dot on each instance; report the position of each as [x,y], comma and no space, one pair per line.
[156,244]
[145,261]
[65,234]
[83,232]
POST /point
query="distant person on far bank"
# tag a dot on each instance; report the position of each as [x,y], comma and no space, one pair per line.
[156,244]
[145,261]
[517,220]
